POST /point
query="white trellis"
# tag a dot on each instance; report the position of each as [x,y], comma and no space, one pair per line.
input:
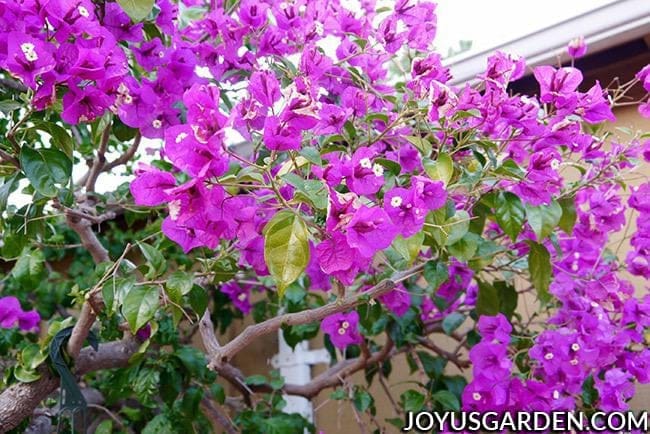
[295,367]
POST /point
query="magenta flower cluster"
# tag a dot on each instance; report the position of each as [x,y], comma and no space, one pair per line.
[12,315]
[263,73]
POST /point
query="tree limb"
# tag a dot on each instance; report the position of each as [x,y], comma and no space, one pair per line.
[19,400]
[216,417]
[225,353]
[124,158]
[100,161]
[94,301]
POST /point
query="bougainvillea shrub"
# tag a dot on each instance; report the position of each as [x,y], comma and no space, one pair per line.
[308,164]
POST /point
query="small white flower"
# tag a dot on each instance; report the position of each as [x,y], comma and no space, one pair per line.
[28,50]
[341,331]
[573,362]
[83,11]
[378,170]
[161,54]
[180,137]
[156,123]
[242,296]
[365,163]
[128,99]
[555,164]
[575,347]
[549,356]
[174,209]
[396,201]
[318,28]
[345,324]
[477,396]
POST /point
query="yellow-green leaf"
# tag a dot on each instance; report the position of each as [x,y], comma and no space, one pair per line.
[136,9]
[286,248]
[442,169]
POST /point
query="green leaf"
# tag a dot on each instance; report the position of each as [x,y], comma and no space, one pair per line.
[410,247]
[452,322]
[465,248]
[179,283]
[442,169]
[25,375]
[448,400]
[422,144]
[155,260]
[286,248]
[507,298]
[457,226]
[159,424]
[412,400]
[137,10]
[436,273]
[362,400]
[313,191]
[198,298]
[140,305]
[539,266]
[115,290]
[29,267]
[434,367]
[434,226]
[106,427]
[544,218]
[60,137]
[487,302]
[9,105]
[45,168]
[312,155]
[9,184]
[568,219]
[255,380]
[32,356]
[510,214]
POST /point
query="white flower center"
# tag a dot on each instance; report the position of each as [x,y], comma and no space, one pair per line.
[365,163]
[156,123]
[575,347]
[241,297]
[341,331]
[28,50]
[573,362]
[396,201]
[174,209]
[128,99]
[180,137]
[555,164]
[161,54]
[378,170]
[345,325]
[477,396]
[549,356]
[83,11]
[318,28]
